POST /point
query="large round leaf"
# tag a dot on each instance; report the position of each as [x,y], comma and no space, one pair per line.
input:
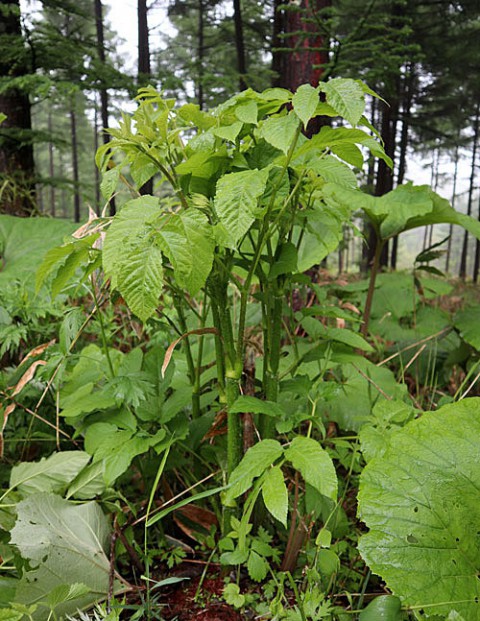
[421,502]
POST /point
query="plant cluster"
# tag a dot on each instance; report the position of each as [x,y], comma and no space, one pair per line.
[244,448]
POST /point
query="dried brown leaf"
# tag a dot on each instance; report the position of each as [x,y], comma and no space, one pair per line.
[171,347]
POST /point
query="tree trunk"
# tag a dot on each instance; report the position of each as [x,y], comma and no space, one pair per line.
[463,259]
[16,148]
[300,52]
[200,54]
[240,44]
[384,181]
[144,69]
[51,165]
[454,198]
[103,90]
[402,156]
[76,181]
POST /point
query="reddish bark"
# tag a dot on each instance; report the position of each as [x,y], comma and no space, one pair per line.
[300,51]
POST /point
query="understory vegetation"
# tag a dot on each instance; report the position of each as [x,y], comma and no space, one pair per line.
[198,416]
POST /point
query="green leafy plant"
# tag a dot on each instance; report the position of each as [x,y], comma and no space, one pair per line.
[420,502]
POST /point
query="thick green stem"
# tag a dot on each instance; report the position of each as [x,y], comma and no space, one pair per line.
[177,302]
[272,339]
[371,286]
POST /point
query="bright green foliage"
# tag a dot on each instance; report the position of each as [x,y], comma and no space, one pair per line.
[315,465]
[232,176]
[420,502]
[404,208]
[24,243]
[65,543]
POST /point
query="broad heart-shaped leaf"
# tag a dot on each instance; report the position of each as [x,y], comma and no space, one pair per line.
[255,461]
[236,199]
[346,97]
[275,495]
[280,131]
[305,102]
[65,543]
[314,464]
[466,322]
[131,258]
[443,212]
[187,240]
[420,501]
[51,474]
[391,212]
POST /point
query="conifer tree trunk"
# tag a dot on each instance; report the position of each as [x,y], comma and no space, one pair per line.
[144,68]
[51,165]
[402,156]
[16,149]
[463,259]
[103,90]
[240,44]
[200,55]
[300,51]
[75,175]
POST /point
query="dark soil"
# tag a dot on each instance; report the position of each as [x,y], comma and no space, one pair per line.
[179,602]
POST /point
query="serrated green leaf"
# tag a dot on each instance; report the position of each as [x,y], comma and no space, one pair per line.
[142,169]
[257,566]
[53,259]
[186,238]
[131,258]
[420,502]
[109,182]
[314,464]
[346,97]
[383,608]
[236,200]
[305,102]
[275,495]
[333,170]
[280,131]
[255,461]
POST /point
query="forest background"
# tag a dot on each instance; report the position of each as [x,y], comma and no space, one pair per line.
[65,72]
